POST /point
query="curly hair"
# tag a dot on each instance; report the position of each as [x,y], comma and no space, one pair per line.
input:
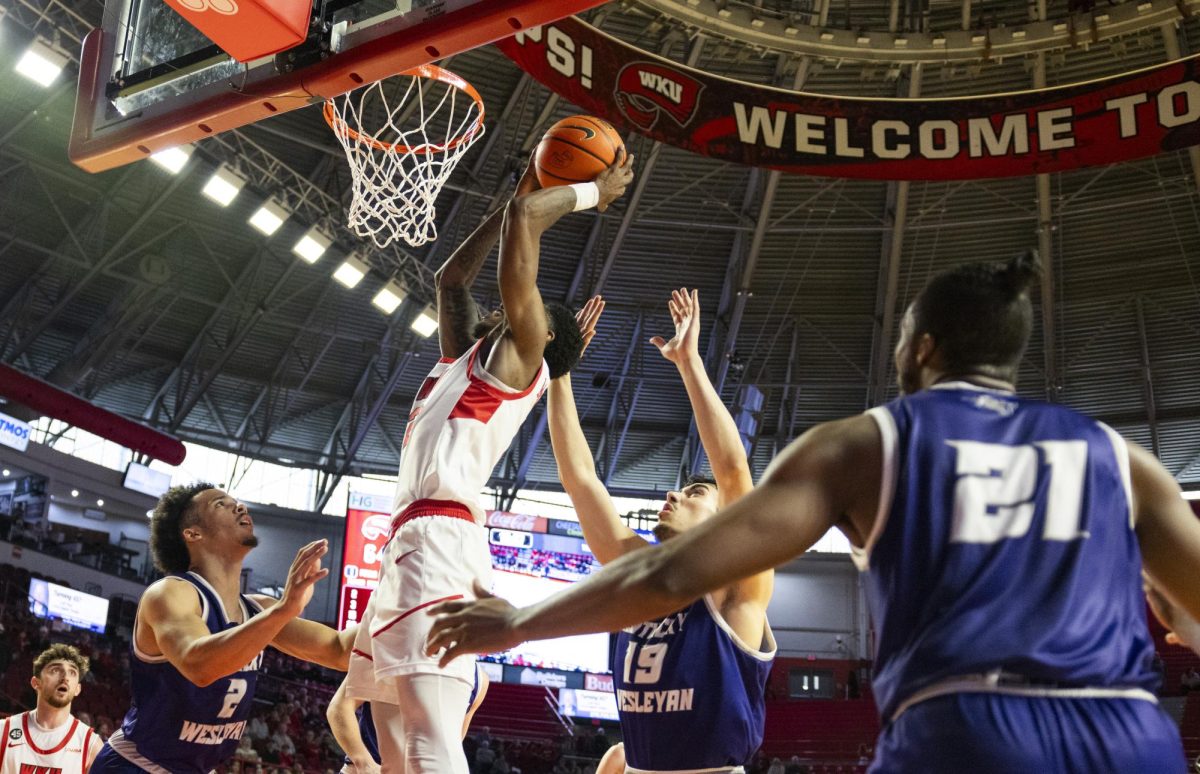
[564,350]
[61,652]
[171,516]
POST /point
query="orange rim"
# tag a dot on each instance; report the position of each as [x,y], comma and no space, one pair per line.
[432,72]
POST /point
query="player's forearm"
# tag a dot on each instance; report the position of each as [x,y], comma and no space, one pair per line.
[464,265]
[718,432]
[207,659]
[525,220]
[344,726]
[572,454]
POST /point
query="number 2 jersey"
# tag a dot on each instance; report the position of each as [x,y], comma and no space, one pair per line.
[690,693]
[175,726]
[1003,556]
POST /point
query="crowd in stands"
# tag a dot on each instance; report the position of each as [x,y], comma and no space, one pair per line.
[533,561]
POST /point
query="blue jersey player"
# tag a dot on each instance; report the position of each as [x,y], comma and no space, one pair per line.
[197,642]
[1004,541]
[690,685]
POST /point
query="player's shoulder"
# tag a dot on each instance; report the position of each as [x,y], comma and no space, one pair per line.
[175,592]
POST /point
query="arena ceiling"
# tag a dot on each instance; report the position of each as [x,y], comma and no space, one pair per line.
[131,289]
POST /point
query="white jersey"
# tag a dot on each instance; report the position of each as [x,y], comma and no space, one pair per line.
[27,748]
[462,422]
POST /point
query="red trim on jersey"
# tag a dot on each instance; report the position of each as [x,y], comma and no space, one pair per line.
[87,742]
[477,403]
[420,508]
[33,746]
[4,741]
[493,389]
[357,652]
[412,610]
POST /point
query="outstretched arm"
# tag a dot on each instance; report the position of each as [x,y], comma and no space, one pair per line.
[172,613]
[605,533]
[828,476]
[457,313]
[718,433]
[312,641]
[526,218]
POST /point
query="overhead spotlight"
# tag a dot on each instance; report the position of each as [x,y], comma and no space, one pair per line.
[172,159]
[312,245]
[41,64]
[287,461]
[269,217]
[1191,494]
[389,297]
[149,514]
[426,322]
[351,272]
[100,503]
[6,472]
[223,186]
[74,492]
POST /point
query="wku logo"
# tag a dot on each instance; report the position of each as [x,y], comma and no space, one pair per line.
[376,526]
[645,90]
[223,7]
[29,768]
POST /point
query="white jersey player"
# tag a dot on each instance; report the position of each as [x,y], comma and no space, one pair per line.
[492,372]
[49,739]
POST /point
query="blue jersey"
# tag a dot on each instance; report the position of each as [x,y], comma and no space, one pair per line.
[690,694]
[175,726]
[1004,552]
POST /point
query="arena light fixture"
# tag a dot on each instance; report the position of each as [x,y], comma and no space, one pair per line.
[269,217]
[6,473]
[312,245]
[74,492]
[41,63]
[351,272]
[223,186]
[426,322]
[172,159]
[100,503]
[389,297]
[1191,494]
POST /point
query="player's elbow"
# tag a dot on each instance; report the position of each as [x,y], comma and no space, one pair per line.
[200,676]
[664,582]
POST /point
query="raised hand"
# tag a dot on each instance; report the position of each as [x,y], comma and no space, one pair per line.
[306,570]
[613,181]
[586,318]
[485,625]
[685,313]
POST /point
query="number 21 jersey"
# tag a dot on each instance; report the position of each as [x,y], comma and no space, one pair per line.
[1004,542]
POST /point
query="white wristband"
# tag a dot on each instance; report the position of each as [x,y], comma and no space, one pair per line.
[587,195]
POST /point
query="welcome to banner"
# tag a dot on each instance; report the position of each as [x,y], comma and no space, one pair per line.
[1022,133]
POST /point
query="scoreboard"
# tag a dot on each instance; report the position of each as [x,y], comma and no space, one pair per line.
[368,519]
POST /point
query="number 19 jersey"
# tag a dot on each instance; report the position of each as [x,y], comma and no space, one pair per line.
[1003,547]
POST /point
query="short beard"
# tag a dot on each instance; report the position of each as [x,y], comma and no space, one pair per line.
[664,532]
[55,702]
[251,542]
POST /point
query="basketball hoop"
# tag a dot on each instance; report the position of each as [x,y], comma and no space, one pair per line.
[397,172]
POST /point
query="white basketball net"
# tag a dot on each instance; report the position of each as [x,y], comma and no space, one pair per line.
[397,172]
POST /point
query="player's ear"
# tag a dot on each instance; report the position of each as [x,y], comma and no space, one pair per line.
[924,349]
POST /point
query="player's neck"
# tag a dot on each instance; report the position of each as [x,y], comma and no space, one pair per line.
[977,379]
[50,718]
[224,575]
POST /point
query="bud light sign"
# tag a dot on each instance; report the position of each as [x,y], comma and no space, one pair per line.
[13,433]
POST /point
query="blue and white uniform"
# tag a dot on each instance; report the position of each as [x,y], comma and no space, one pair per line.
[1004,579]
[173,726]
[690,693]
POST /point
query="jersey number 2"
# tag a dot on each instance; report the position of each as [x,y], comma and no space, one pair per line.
[233,697]
[996,485]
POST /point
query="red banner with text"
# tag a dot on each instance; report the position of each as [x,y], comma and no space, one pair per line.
[1126,117]
[368,520]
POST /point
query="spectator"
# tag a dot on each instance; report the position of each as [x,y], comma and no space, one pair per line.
[776,767]
[257,729]
[794,766]
[485,756]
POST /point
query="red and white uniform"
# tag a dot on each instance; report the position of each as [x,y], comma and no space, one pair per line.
[27,748]
[462,422]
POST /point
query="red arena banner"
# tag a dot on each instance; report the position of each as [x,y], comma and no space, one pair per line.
[1125,117]
[368,519]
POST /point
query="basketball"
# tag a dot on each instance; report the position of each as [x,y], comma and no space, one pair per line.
[575,150]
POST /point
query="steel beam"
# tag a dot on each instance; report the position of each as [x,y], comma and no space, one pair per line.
[1147,377]
[1170,36]
[1053,378]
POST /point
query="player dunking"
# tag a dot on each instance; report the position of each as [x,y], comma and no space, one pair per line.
[493,370]
[48,739]
[690,686]
[1003,540]
[197,642]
